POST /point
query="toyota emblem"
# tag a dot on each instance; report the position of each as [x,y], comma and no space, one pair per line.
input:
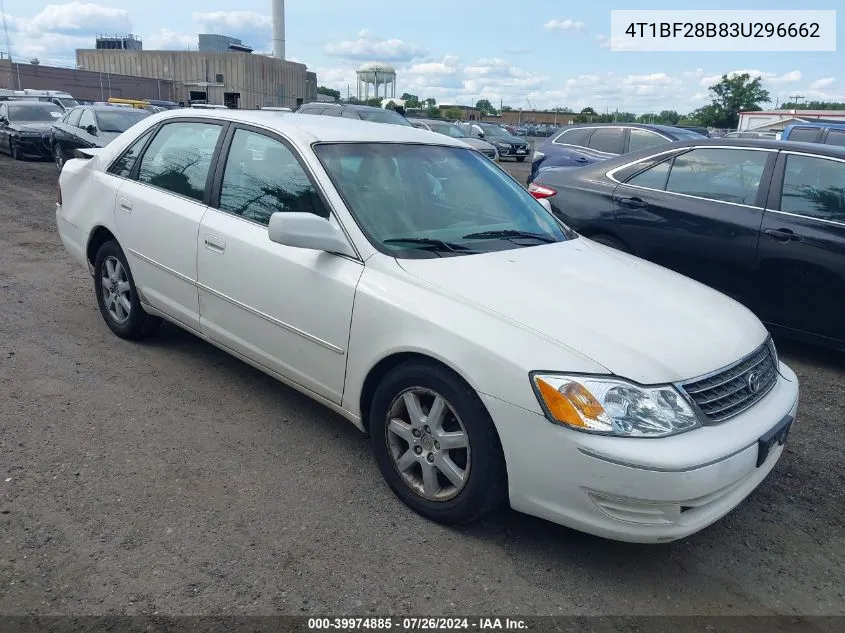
[753,382]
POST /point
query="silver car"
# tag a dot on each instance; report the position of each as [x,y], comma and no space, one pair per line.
[450,129]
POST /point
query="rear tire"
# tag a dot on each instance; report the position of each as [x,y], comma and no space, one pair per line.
[609,240]
[117,296]
[423,456]
[14,150]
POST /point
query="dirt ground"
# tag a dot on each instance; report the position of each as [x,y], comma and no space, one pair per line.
[167,477]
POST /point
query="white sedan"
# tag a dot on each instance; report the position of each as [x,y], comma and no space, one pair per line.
[401,279]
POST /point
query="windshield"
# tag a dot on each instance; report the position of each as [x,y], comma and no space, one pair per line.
[119,119]
[34,112]
[493,130]
[430,201]
[448,129]
[68,103]
[382,116]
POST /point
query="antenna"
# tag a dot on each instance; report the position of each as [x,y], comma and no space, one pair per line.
[6,31]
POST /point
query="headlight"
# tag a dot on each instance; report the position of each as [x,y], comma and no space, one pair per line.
[503,145]
[611,406]
[774,353]
[538,156]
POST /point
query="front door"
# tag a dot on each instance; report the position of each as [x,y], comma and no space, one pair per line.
[699,214]
[288,309]
[802,247]
[158,211]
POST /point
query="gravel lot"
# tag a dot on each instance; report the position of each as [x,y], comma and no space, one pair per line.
[169,477]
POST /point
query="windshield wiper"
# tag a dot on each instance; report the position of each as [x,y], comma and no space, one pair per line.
[507,234]
[431,242]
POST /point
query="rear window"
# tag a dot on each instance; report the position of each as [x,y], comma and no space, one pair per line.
[383,116]
[805,134]
[578,136]
[835,137]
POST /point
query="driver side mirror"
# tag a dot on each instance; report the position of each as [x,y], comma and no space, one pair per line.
[3,119]
[92,130]
[306,230]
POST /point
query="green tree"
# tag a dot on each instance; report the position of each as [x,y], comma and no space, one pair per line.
[431,102]
[485,106]
[588,110]
[374,101]
[668,117]
[331,92]
[562,110]
[625,117]
[813,105]
[432,112]
[453,113]
[731,96]
[411,101]
[506,108]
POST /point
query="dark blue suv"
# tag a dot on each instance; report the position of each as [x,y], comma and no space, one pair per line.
[580,145]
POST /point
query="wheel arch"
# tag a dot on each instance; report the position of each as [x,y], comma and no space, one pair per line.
[99,236]
[591,232]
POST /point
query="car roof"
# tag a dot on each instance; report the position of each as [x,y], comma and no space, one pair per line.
[35,102]
[110,108]
[670,129]
[351,106]
[306,129]
[817,124]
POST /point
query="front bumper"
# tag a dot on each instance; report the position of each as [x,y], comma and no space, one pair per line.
[638,490]
[36,145]
[514,152]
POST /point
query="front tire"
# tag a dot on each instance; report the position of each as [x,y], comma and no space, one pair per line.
[436,445]
[117,296]
[520,159]
[14,151]
[59,156]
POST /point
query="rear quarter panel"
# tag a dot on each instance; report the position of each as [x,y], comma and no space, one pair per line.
[584,199]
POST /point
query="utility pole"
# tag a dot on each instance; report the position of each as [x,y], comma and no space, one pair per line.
[796,98]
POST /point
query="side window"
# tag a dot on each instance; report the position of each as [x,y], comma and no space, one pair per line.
[814,187]
[347,114]
[123,165]
[331,112]
[86,119]
[607,140]
[835,137]
[805,134]
[73,117]
[262,176]
[652,178]
[642,139]
[728,175]
[3,112]
[577,136]
[179,157]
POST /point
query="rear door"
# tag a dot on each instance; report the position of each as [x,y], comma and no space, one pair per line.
[699,213]
[805,134]
[801,257]
[604,143]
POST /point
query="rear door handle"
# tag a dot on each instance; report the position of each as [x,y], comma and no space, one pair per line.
[125,205]
[580,159]
[633,203]
[214,243]
[782,235]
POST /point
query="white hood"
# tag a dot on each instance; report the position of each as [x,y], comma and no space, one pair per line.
[636,319]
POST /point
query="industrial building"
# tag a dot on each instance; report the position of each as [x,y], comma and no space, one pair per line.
[777,120]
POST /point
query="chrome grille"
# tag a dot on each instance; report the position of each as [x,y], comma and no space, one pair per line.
[732,390]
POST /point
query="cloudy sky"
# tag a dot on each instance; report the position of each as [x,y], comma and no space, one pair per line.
[532,53]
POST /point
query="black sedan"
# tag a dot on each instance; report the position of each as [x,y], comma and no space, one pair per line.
[25,127]
[508,145]
[91,126]
[762,221]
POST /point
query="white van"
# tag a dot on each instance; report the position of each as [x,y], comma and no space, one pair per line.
[64,100]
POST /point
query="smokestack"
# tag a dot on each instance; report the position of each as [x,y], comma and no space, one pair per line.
[278,28]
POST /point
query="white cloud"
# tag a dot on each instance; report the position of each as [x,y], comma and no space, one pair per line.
[772,78]
[53,34]
[820,84]
[564,25]
[368,46]
[165,39]
[226,21]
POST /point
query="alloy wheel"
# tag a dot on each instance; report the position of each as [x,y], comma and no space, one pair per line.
[59,156]
[117,294]
[428,444]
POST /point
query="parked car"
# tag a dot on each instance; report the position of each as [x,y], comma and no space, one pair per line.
[63,100]
[25,127]
[350,111]
[579,145]
[703,131]
[762,221]
[453,131]
[816,132]
[91,126]
[508,145]
[629,402]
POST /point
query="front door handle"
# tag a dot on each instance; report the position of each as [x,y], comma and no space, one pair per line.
[214,243]
[125,205]
[782,235]
[633,203]
[580,159]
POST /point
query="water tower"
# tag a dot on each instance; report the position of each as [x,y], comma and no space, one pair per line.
[375,74]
